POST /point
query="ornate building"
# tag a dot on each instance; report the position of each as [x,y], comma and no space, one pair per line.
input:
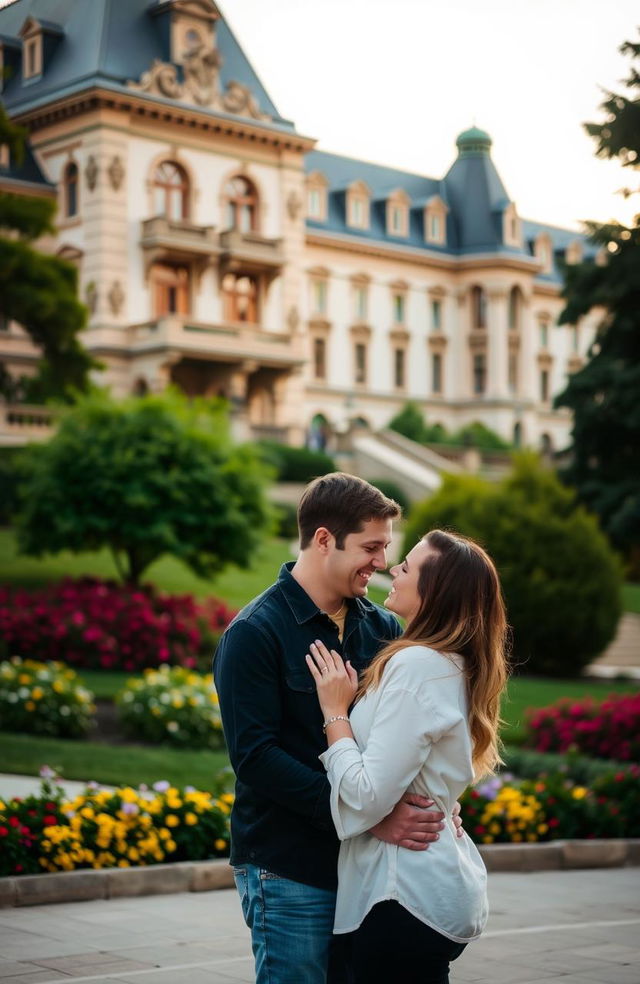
[218,250]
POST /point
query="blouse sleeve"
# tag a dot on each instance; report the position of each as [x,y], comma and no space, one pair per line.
[366,784]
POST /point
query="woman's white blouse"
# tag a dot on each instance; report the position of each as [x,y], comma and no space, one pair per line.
[411,735]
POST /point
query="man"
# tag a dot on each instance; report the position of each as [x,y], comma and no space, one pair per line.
[283,843]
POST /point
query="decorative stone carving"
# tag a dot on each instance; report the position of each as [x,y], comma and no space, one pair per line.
[91,297]
[293,318]
[116,297]
[116,173]
[294,204]
[91,172]
[201,67]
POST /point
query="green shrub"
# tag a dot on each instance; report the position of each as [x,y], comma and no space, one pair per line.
[560,578]
[295,464]
[43,699]
[478,435]
[527,764]
[172,705]
[9,481]
[286,521]
[391,489]
[410,423]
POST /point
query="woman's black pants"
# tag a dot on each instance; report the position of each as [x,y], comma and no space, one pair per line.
[393,947]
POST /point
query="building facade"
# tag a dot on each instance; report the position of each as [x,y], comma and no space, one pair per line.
[218,250]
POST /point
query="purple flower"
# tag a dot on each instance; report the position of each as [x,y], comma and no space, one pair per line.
[130,809]
[46,772]
[161,786]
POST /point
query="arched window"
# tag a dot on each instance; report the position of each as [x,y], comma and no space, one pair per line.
[70,184]
[517,434]
[170,191]
[240,294]
[478,307]
[241,205]
[515,308]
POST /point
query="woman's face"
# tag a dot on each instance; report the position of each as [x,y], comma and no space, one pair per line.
[403,599]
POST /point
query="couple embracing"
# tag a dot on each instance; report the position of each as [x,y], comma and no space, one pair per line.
[351,741]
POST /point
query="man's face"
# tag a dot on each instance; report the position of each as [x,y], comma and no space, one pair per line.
[350,569]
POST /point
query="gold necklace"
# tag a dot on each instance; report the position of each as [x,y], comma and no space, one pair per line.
[340,611]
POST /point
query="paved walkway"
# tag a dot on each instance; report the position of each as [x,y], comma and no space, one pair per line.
[578,927]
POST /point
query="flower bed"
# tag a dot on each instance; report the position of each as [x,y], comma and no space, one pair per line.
[124,827]
[551,807]
[104,829]
[172,705]
[43,699]
[104,625]
[610,729]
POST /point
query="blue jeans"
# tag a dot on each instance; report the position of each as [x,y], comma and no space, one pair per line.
[291,927]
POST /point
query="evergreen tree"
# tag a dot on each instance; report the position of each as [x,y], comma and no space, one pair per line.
[603,395]
[38,291]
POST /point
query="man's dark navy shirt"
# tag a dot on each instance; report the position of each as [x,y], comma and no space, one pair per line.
[281,819]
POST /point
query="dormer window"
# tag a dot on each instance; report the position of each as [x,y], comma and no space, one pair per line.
[543,252]
[317,197]
[39,39]
[435,221]
[511,226]
[573,253]
[358,197]
[32,57]
[398,213]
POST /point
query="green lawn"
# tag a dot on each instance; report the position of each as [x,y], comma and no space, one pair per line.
[234,585]
[115,765]
[631,598]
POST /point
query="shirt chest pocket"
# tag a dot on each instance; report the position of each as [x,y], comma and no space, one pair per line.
[300,683]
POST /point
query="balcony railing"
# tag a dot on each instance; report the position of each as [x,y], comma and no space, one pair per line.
[225,342]
[21,423]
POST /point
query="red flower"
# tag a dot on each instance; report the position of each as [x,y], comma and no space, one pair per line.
[50,820]
[4,831]
[14,822]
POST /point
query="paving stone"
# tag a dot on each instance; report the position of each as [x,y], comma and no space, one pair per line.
[37,977]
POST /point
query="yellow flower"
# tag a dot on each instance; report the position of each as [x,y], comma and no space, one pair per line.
[30,706]
[37,693]
[190,819]
[170,845]
[220,844]
[578,792]
[171,820]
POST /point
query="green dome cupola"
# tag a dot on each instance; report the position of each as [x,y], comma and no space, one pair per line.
[473,141]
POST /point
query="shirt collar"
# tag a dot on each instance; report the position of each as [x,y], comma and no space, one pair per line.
[301,605]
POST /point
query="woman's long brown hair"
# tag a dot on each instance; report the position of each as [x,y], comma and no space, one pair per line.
[461,611]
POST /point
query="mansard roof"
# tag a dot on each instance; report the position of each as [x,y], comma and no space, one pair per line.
[114,46]
[26,177]
[472,191]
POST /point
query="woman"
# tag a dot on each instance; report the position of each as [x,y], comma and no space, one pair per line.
[425,721]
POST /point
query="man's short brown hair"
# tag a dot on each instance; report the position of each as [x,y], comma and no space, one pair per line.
[342,504]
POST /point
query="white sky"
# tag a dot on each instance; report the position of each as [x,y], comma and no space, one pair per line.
[396,81]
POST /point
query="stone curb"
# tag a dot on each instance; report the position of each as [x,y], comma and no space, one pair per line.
[206,876]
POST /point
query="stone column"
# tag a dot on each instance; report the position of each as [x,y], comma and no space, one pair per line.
[498,354]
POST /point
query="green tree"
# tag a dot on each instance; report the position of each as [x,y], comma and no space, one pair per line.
[410,423]
[144,477]
[560,577]
[603,395]
[39,291]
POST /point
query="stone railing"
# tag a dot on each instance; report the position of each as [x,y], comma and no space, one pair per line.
[22,422]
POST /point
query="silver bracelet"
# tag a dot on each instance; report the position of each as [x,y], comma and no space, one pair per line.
[338,717]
